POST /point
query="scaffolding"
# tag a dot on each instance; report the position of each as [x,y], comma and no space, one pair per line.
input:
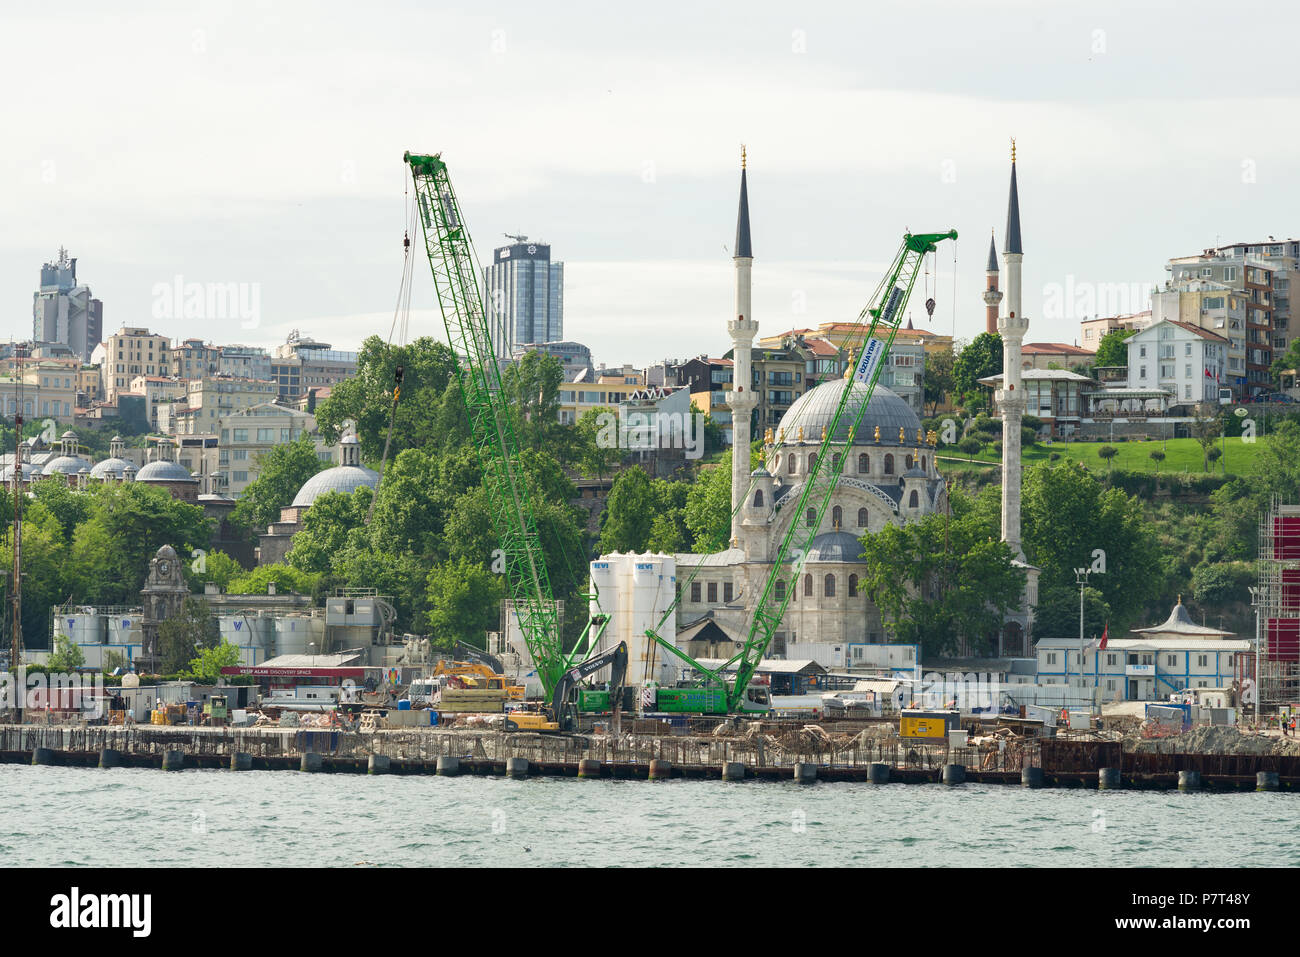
[1277,607]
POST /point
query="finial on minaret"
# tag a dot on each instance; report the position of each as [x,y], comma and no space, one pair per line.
[1013,149]
[742,155]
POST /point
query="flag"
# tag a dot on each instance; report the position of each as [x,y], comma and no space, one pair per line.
[1105,637]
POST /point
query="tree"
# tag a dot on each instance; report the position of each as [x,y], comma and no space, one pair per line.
[531,389]
[1206,429]
[598,449]
[1212,455]
[218,568]
[285,578]
[629,513]
[206,667]
[1157,456]
[708,506]
[464,602]
[938,378]
[1057,612]
[971,445]
[282,471]
[182,636]
[1111,349]
[1215,584]
[980,359]
[1107,453]
[1287,362]
[67,657]
[326,527]
[940,580]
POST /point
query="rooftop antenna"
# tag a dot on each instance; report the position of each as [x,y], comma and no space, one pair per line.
[520,238]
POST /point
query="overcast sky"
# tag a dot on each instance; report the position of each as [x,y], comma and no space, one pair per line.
[261,144]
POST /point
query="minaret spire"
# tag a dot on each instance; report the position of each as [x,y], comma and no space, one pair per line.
[1011,397]
[742,329]
[992,295]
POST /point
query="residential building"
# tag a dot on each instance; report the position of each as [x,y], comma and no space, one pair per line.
[1178,357]
[709,381]
[777,378]
[573,356]
[1213,306]
[157,390]
[193,358]
[65,312]
[248,433]
[211,397]
[130,352]
[245,362]
[606,390]
[1054,355]
[524,296]
[1092,331]
[45,393]
[303,363]
[1284,259]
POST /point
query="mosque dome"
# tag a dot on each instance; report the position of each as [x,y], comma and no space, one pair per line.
[109,468]
[814,411]
[162,471]
[835,547]
[342,478]
[65,465]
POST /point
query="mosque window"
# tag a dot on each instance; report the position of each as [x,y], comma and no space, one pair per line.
[864,463]
[912,500]
[713,592]
[727,592]
[695,591]
[853,586]
[811,518]
[812,462]
[922,463]
[835,462]
[780,591]
[758,498]
[807,586]
[789,466]
[862,518]
[910,462]
[837,516]
[829,587]
[889,464]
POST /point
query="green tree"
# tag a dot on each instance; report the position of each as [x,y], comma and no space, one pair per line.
[942,579]
[708,506]
[980,359]
[1057,612]
[531,388]
[629,513]
[182,636]
[971,446]
[218,569]
[1157,456]
[70,506]
[1107,453]
[464,602]
[1112,350]
[1206,429]
[1286,362]
[281,472]
[206,667]
[67,657]
[598,449]
[1217,583]
[939,379]
[285,578]
[326,527]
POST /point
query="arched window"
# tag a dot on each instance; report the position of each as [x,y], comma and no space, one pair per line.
[922,463]
[837,516]
[812,462]
[776,465]
[835,462]
[853,586]
[910,462]
[758,498]
[912,500]
[829,587]
[864,463]
[862,518]
[889,464]
[789,465]
[780,590]
[807,586]
[811,518]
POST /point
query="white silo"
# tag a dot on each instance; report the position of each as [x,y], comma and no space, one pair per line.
[125,629]
[637,596]
[292,634]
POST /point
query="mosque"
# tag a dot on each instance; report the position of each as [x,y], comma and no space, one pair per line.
[890,477]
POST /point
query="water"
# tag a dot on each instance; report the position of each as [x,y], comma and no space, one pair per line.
[84,816]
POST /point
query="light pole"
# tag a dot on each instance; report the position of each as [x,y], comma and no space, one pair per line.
[1257,601]
[1081,577]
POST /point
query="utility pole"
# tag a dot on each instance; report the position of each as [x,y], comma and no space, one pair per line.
[16,648]
[1257,600]
[1081,577]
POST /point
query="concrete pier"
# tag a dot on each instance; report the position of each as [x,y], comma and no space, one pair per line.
[1108,779]
[954,773]
[173,760]
[310,761]
[805,773]
[588,768]
[660,770]
[241,761]
[1267,781]
[878,773]
[517,767]
[42,756]
[1031,777]
[1189,781]
[109,758]
[448,766]
[379,764]
[733,771]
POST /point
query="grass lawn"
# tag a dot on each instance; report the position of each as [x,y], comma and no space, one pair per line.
[1181,455]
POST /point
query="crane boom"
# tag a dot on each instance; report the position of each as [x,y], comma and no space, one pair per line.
[455,276]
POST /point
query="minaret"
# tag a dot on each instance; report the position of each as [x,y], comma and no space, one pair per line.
[742,330]
[992,297]
[1011,397]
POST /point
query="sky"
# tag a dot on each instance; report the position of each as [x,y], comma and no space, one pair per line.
[258,147]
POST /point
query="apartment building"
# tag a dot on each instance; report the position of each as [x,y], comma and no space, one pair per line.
[248,433]
[130,352]
[1185,360]
[157,390]
[1212,306]
[606,389]
[1092,331]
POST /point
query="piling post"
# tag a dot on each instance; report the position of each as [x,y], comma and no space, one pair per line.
[241,761]
[733,771]
[42,755]
[1031,777]
[1108,779]
[1189,780]
[379,764]
[954,773]
[173,760]
[1267,781]
[805,773]
[878,773]
[517,767]
[588,768]
[660,770]
[108,758]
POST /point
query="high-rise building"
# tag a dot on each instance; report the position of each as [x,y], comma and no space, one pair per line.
[65,312]
[524,296]
[132,352]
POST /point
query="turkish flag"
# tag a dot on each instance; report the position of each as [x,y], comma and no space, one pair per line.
[1105,636]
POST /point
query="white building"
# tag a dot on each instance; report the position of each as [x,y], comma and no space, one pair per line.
[1178,357]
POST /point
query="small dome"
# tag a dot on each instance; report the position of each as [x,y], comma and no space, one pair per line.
[29,472]
[835,547]
[64,464]
[342,478]
[110,468]
[814,411]
[163,472]
[165,552]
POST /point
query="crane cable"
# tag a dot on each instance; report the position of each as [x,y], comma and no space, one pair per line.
[400,326]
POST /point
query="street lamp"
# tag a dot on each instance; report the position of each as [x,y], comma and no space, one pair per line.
[1257,593]
[1081,578]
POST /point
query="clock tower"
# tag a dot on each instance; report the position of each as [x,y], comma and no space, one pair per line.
[163,593]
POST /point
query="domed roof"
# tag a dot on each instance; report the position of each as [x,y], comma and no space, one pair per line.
[342,478]
[29,472]
[65,464]
[814,411]
[835,547]
[161,471]
[110,468]
[166,551]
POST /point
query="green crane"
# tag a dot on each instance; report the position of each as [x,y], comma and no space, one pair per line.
[455,277]
[876,325]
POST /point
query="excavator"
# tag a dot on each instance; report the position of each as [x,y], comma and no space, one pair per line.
[562,714]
